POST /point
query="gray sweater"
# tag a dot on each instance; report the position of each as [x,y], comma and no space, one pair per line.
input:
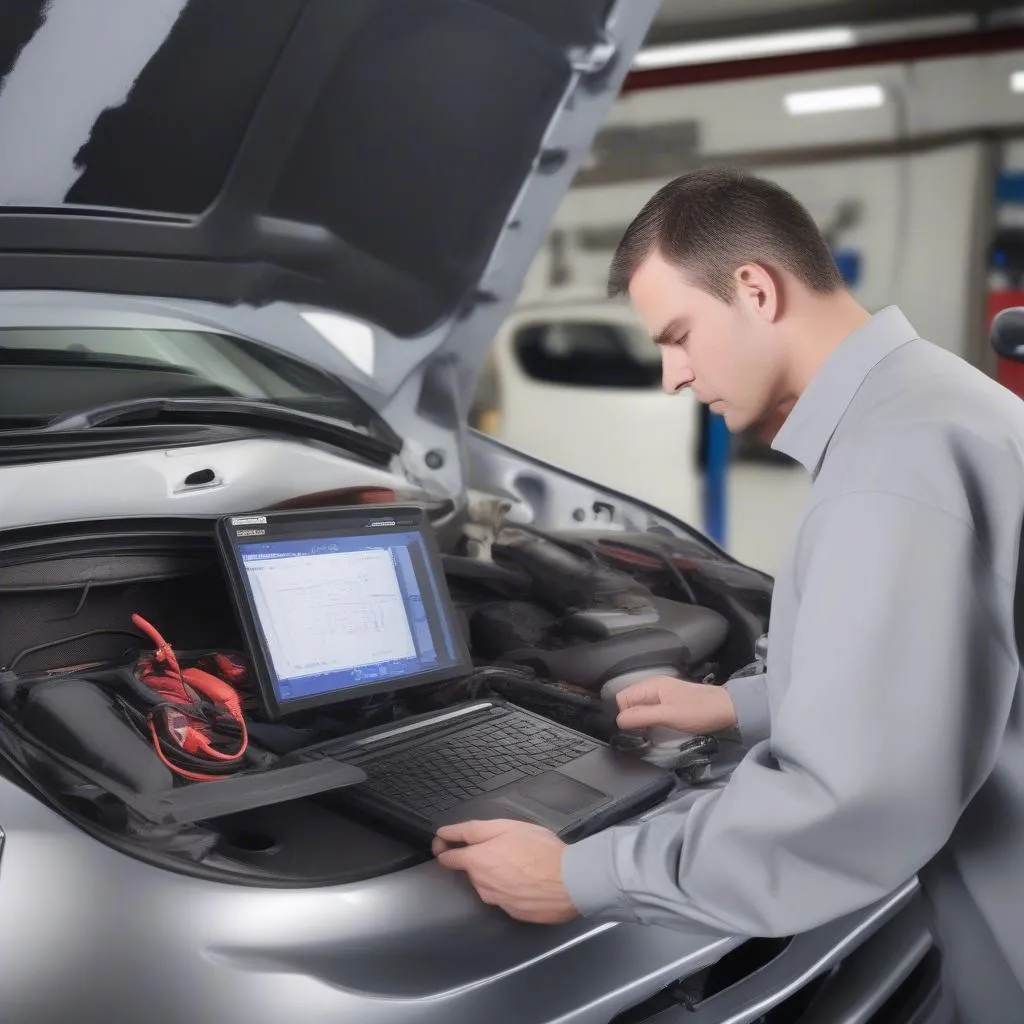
[887,735]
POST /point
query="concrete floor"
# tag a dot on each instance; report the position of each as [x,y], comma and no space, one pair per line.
[764,503]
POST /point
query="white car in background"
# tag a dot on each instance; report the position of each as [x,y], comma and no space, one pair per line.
[577,383]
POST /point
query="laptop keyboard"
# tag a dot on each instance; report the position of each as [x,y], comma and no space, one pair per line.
[437,773]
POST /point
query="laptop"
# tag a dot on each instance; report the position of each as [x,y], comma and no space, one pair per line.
[337,605]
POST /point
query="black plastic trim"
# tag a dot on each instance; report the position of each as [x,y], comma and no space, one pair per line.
[236,412]
[27,447]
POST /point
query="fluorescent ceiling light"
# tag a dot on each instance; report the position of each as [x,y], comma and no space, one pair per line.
[744,47]
[823,101]
[1017,81]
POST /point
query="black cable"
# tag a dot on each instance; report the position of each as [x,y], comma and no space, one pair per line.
[23,654]
[78,607]
[681,581]
[182,758]
[571,547]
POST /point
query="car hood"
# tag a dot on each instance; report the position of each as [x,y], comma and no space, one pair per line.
[385,168]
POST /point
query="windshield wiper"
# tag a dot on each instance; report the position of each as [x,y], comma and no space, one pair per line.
[234,412]
[32,446]
[79,358]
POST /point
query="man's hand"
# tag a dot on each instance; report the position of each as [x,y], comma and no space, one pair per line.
[689,707]
[512,864]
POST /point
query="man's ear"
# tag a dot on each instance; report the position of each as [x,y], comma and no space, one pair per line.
[758,289]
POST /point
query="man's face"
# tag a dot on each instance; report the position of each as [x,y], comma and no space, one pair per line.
[728,354]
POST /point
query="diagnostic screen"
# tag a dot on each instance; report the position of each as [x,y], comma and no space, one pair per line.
[345,613]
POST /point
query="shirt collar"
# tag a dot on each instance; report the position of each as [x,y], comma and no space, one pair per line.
[813,420]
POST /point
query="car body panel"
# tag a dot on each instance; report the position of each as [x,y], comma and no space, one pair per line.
[174,948]
[246,474]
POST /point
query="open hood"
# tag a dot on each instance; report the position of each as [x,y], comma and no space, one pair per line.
[368,157]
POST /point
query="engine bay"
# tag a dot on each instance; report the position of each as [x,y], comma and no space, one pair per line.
[555,621]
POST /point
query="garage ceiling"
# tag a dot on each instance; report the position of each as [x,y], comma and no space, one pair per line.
[691,20]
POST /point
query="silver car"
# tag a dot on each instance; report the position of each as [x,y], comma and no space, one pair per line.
[252,255]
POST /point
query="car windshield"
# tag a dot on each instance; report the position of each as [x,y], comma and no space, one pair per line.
[50,372]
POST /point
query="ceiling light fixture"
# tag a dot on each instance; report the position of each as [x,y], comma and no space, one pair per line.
[1017,81]
[826,101]
[744,47]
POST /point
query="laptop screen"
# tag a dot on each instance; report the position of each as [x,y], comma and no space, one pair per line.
[341,604]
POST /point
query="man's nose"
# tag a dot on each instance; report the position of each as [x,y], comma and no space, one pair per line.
[675,372]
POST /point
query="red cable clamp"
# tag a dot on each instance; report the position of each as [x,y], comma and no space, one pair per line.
[181,687]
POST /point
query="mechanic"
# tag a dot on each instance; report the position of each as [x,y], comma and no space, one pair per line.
[886,738]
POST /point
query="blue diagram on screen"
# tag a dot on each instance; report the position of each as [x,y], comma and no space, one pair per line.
[339,613]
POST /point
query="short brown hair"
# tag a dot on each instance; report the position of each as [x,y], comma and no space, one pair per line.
[710,222]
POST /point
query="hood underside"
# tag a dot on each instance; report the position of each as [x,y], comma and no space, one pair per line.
[367,156]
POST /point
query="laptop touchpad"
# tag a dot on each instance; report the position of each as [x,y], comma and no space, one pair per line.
[559,793]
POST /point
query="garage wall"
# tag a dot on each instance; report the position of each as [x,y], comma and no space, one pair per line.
[916,173]
[912,234]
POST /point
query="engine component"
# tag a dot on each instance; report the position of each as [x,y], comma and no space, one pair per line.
[592,665]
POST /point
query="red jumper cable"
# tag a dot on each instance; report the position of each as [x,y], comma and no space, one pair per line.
[179,688]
